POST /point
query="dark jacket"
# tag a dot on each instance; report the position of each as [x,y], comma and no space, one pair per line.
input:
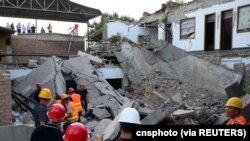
[47,132]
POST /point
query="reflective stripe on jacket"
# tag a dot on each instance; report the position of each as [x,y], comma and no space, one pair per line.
[239,120]
[76,98]
[74,114]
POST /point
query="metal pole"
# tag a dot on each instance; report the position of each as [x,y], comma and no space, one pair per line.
[36,41]
[87,35]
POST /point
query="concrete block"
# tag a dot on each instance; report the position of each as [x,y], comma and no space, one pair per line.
[234,90]
[112,129]
[183,113]
[91,124]
[177,98]
[101,113]
[153,118]
[101,126]
[221,120]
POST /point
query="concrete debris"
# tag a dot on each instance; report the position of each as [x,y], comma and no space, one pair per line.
[101,113]
[180,113]
[91,124]
[154,118]
[91,57]
[112,130]
[101,126]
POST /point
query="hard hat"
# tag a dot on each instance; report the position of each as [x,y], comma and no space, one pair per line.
[45,94]
[76,132]
[70,90]
[234,102]
[38,85]
[56,112]
[63,96]
[130,115]
[81,84]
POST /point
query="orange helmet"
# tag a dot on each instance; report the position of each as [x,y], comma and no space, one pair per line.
[76,132]
[70,90]
[56,112]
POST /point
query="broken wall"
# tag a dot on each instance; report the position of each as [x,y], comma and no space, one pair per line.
[176,63]
[5,98]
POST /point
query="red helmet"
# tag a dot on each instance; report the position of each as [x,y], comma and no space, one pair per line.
[56,112]
[76,132]
[38,85]
[70,90]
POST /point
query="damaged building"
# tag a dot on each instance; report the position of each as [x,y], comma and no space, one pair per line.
[161,65]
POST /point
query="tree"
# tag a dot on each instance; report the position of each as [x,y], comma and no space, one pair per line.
[105,17]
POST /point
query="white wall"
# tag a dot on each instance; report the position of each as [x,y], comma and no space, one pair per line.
[129,31]
[240,40]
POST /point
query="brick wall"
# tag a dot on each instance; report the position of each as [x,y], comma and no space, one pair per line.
[5,98]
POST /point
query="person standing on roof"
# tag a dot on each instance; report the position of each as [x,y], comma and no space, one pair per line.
[84,99]
[40,109]
[76,132]
[33,29]
[71,110]
[49,28]
[8,26]
[42,30]
[127,118]
[37,91]
[233,109]
[51,130]
[18,27]
[23,29]
[76,98]
[12,26]
[28,28]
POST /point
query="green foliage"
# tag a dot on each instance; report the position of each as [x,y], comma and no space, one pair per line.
[164,20]
[115,39]
[246,89]
[105,17]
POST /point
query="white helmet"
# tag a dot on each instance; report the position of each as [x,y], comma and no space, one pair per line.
[130,115]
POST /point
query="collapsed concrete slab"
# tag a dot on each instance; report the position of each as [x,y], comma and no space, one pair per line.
[154,118]
[48,74]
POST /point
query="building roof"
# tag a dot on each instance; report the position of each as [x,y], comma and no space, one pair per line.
[4,30]
[59,10]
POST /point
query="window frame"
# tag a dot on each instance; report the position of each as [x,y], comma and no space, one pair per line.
[238,17]
[183,20]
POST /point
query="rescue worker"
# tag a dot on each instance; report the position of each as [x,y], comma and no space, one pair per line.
[40,109]
[51,130]
[71,110]
[84,99]
[49,28]
[37,91]
[76,98]
[233,109]
[127,118]
[76,132]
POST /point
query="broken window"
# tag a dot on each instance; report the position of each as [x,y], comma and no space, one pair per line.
[187,29]
[244,19]
[144,38]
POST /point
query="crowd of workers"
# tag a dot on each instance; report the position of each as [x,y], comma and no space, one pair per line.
[65,112]
[21,29]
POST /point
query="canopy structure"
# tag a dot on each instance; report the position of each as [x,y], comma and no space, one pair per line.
[58,10]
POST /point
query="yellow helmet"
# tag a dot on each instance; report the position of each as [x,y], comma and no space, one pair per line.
[63,96]
[234,102]
[45,94]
